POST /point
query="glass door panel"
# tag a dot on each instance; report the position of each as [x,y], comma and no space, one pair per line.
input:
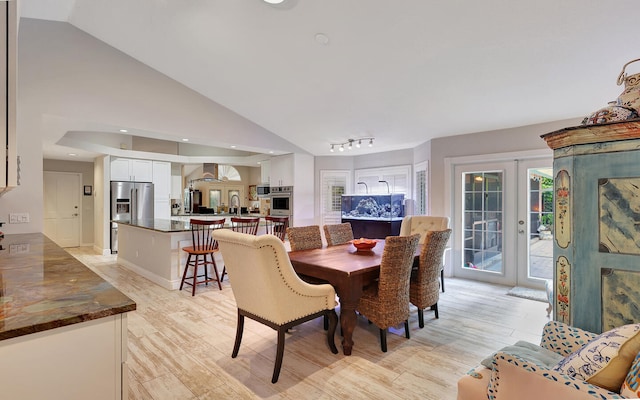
[535,232]
[483,239]
[483,221]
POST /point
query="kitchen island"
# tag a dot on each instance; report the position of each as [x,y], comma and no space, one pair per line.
[153,248]
[63,329]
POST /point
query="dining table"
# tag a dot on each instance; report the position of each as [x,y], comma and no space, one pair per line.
[348,271]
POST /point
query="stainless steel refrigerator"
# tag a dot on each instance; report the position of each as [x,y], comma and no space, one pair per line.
[130,201]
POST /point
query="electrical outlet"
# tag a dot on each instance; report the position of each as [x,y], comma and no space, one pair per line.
[19,218]
[19,248]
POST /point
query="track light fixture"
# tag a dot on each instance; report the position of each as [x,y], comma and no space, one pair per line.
[350,143]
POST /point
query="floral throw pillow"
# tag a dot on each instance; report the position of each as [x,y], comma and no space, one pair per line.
[605,360]
[631,385]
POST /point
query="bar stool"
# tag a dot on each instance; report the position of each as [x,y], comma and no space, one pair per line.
[277,226]
[243,225]
[203,245]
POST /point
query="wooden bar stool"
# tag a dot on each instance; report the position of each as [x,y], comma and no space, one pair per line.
[277,226]
[243,225]
[203,245]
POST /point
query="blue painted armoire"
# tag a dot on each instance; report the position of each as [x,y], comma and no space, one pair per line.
[597,224]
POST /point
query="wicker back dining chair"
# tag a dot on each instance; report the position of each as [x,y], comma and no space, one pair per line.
[277,226]
[338,233]
[386,303]
[304,237]
[268,290]
[422,224]
[203,246]
[424,286]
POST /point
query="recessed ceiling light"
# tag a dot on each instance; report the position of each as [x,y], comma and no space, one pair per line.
[233,146]
[273,1]
[270,151]
[185,140]
[72,154]
[124,130]
[322,38]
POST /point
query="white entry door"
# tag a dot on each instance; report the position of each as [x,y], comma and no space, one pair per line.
[62,199]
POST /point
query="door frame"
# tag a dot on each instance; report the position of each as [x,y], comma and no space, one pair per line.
[450,164]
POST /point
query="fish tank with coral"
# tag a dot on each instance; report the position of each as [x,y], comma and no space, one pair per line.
[373,216]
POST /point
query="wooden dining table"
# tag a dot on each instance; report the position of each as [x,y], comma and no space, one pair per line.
[348,271]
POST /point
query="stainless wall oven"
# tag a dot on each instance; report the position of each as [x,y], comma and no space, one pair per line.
[282,201]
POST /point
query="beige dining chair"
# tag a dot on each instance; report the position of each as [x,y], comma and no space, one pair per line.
[268,290]
[304,237]
[422,224]
[424,286]
[203,246]
[386,303]
[338,233]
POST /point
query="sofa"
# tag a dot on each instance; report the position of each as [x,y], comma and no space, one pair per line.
[569,363]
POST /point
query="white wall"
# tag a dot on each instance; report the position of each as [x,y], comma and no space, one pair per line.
[66,75]
[499,141]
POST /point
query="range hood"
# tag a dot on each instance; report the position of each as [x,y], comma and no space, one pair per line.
[209,173]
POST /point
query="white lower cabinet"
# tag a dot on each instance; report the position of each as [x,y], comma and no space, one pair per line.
[81,361]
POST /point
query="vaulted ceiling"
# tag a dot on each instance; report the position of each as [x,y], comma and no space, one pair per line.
[404,72]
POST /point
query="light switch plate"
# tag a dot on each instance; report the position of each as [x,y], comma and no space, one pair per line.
[19,218]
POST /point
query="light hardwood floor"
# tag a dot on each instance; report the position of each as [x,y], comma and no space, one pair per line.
[180,346]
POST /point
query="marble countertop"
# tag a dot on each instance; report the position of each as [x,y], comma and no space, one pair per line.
[43,287]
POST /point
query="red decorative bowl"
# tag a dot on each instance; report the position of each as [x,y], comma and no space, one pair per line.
[363,244]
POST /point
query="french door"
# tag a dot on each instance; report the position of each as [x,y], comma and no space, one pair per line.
[501,213]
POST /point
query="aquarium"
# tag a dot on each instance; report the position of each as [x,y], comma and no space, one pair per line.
[373,215]
[373,206]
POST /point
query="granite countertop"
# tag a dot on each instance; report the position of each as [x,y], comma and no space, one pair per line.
[219,215]
[43,287]
[175,225]
[160,225]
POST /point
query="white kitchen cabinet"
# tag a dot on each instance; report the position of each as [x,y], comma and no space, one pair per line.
[87,360]
[8,51]
[265,171]
[282,170]
[130,169]
[162,189]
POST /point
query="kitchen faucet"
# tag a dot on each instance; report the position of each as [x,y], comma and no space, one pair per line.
[235,203]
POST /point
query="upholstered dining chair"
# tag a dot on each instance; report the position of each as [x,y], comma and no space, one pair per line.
[203,246]
[276,226]
[422,224]
[424,287]
[338,233]
[268,290]
[243,225]
[304,237]
[386,303]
